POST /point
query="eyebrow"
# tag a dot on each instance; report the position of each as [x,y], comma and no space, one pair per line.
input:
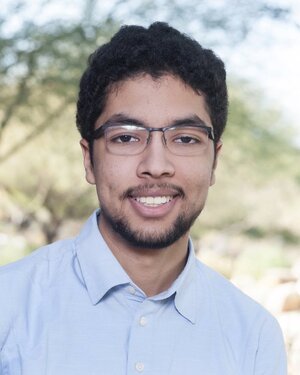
[193,120]
[122,118]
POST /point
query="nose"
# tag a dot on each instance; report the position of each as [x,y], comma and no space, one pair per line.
[156,161]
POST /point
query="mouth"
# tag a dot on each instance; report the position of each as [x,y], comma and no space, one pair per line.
[154,201]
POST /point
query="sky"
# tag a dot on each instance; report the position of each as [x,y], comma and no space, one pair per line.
[275,65]
[269,57]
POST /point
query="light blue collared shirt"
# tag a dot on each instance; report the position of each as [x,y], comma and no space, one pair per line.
[70,309]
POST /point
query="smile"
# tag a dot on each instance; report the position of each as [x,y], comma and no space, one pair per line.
[153,201]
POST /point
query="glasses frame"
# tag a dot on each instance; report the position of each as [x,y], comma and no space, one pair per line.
[100,131]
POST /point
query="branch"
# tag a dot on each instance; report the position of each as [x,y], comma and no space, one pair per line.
[19,96]
[36,132]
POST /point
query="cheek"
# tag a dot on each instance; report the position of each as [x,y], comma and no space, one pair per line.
[113,176]
[199,175]
[106,178]
[196,183]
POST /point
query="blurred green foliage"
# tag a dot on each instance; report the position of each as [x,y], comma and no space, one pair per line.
[42,184]
[256,261]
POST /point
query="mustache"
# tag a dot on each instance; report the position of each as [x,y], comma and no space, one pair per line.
[140,190]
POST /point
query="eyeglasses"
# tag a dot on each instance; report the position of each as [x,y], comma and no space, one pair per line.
[129,139]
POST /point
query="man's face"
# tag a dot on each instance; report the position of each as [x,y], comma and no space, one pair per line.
[150,200]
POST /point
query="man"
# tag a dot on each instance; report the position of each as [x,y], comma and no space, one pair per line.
[127,295]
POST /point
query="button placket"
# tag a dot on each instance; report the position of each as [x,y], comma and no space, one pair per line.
[143,321]
[140,339]
[131,290]
[139,366]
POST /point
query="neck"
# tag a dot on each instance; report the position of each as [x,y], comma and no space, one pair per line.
[152,270]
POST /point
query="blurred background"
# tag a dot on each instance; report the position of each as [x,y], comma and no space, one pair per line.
[249,230]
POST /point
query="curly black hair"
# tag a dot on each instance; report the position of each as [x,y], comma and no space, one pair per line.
[157,50]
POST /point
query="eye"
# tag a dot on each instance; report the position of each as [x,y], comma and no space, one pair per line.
[188,136]
[124,138]
[186,139]
[125,134]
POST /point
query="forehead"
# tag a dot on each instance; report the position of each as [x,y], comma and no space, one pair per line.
[154,100]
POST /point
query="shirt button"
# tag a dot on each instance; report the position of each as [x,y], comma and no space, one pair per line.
[139,366]
[131,289]
[143,321]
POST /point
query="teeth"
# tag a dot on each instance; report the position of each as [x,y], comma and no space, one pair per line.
[154,201]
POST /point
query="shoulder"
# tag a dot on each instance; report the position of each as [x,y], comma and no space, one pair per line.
[240,315]
[225,294]
[45,256]
[22,280]
[246,326]
[39,265]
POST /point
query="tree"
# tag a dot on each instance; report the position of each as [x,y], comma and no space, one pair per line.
[257,189]
[40,64]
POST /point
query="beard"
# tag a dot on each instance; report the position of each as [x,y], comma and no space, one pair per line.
[147,239]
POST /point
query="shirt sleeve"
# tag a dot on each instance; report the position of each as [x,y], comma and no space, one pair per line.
[6,297]
[271,354]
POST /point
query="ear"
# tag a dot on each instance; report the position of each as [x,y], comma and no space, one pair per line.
[217,151]
[87,162]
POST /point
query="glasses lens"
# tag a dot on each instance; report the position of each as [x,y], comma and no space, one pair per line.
[126,139]
[187,140]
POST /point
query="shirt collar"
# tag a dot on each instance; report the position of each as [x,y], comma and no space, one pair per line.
[101,271]
[186,294]
[183,289]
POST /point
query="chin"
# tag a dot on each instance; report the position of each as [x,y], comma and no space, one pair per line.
[153,239]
